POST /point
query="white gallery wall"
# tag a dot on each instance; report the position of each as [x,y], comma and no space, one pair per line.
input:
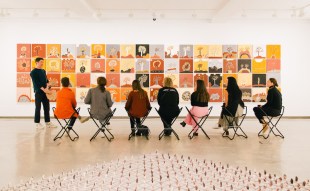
[293,37]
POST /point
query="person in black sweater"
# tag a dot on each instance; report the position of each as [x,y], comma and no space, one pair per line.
[272,107]
[232,100]
[40,86]
[199,102]
[168,101]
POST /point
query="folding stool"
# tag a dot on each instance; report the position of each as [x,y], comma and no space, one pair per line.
[102,126]
[64,126]
[134,130]
[169,126]
[199,124]
[272,125]
[235,122]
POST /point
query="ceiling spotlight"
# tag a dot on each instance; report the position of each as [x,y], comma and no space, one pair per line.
[35,13]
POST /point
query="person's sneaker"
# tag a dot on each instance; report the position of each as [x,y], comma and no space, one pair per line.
[39,126]
[195,134]
[50,125]
[183,124]
[226,133]
[84,119]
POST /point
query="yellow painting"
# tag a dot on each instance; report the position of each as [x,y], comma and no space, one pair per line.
[128,51]
[175,79]
[200,65]
[98,50]
[215,51]
[53,65]
[201,51]
[245,51]
[274,51]
[33,64]
[72,78]
[53,51]
[259,67]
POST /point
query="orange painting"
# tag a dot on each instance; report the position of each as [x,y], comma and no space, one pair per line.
[153,94]
[23,65]
[186,81]
[54,79]
[156,80]
[203,77]
[83,80]
[38,50]
[23,51]
[216,94]
[126,80]
[115,94]
[225,80]
[33,64]
[68,65]
[72,78]
[53,65]
[229,66]
[23,80]
[113,80]
[124,93]
[112,66]
[273,65]
[98,65]
[157,66]
[186,65]
[259,67]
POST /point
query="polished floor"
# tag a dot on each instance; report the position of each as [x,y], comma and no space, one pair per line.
[27,152]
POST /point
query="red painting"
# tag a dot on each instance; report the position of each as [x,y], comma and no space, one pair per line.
[23,51]
[98,65]
[83,80]
[38,50]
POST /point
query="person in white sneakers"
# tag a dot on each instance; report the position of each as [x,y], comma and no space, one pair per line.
[66,104]
[40,87]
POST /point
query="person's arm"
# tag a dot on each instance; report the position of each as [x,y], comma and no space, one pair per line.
[128,102]
[87,99]
[109,100]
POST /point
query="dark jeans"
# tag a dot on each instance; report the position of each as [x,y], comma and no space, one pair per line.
[168,120]
[134,120]
[40,97]
[72,121]
[269,111]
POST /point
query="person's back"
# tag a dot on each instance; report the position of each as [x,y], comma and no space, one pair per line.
[100,102]
[168,100]
[274,99]
[65,103]
[136,104]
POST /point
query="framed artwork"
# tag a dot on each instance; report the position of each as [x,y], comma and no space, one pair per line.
[251,64]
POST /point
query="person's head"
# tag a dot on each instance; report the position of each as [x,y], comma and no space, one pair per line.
[272,82]
[136,86]
[232,84]
[65,82]
[203,95]
[39,62]
[168,82]
[101,81]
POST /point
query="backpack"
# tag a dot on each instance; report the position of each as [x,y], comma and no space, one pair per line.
[144,130]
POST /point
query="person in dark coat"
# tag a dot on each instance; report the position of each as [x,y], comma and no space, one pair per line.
[168,101]
[272,107]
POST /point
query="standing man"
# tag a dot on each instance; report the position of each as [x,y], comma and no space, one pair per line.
[40,86]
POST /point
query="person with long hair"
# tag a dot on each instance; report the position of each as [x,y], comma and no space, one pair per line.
[233,98]
[199,101]
[99,99]
[137,104]
[273,105]
[168,101]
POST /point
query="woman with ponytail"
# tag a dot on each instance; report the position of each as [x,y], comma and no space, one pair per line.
[99,99]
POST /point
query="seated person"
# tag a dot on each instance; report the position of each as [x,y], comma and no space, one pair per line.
[137,105]
[168,101]
[272,107]
[233,98]
[66,104]
[99,99]
[199,102]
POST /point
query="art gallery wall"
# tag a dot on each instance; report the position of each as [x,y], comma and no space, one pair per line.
[293,37]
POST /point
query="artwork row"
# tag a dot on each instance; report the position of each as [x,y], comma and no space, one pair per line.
[153,65]
[152,80]
[121,94]
[156,51]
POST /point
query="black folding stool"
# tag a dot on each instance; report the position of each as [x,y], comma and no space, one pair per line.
[64,126]
[199,124]
[235,122]
[272,125]
[134,130]
[169,127]
[102,126]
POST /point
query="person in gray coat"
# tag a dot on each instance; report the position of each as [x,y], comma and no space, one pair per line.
[99,99]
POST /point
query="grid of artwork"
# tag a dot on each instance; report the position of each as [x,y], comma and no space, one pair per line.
[251,65]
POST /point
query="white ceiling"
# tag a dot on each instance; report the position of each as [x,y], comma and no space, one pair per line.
[210,10]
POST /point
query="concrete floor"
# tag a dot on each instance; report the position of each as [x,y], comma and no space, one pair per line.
[26,152]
